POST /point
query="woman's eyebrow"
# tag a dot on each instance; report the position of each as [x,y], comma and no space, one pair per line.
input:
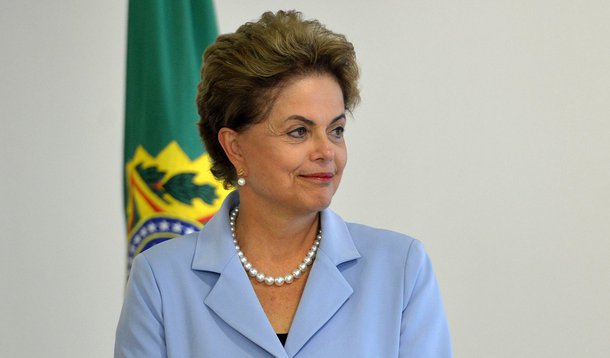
[296,117]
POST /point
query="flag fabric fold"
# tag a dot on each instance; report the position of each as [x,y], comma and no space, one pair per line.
[169,190]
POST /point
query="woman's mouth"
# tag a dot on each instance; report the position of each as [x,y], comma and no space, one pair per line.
[322,177]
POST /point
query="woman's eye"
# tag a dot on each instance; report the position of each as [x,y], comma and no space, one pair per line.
[298,132]
[338,132]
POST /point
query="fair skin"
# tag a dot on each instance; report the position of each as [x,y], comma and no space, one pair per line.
[293,161]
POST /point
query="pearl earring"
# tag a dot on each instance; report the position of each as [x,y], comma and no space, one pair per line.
[241,181]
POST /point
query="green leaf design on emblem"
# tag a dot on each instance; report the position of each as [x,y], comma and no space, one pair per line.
[183,189]
[180,186]
[152,177]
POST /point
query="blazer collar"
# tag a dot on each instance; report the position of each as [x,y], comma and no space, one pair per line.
[233,298]
[215,247]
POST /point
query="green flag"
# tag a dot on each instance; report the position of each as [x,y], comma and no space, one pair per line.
[169,190]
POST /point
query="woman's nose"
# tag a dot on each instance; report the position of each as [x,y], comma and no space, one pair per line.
[323,148]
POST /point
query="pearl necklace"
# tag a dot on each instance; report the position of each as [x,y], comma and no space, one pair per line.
[270,280]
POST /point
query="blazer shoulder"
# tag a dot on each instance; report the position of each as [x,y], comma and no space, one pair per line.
[386,244]
[364,233]
[179,250]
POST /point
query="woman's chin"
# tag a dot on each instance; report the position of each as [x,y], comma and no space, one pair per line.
[320,203]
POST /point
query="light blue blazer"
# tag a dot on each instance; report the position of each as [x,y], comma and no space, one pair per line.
[370,293]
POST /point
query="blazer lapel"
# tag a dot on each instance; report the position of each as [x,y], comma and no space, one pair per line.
[233,299]
[326,289]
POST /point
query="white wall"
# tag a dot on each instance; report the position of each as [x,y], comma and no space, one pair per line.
[62,253]
[484,131]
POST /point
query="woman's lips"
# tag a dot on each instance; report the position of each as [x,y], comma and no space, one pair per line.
[319,176]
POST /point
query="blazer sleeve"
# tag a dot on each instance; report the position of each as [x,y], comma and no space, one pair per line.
[424,330]
[140,331]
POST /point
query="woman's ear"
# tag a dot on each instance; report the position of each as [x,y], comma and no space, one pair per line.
[228,139]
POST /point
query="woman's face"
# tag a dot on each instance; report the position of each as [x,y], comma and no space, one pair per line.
[295,157]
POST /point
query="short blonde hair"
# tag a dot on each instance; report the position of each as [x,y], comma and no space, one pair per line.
[243,72]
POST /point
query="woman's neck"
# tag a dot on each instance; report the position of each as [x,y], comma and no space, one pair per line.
[273,237]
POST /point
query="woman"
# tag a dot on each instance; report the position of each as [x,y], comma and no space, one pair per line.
[275,272]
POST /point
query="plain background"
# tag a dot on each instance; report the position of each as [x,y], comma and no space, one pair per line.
[484,131]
